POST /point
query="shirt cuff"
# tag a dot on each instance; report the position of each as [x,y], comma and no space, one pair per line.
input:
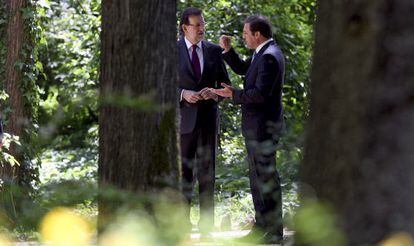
[181,96]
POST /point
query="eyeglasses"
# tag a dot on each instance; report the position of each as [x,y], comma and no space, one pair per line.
[201,24]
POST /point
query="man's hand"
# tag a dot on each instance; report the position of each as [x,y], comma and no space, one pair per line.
[206,94]
[191,96]
[227,91]
[225,42]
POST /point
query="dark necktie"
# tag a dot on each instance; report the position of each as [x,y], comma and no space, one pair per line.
[196,63]
[254,54]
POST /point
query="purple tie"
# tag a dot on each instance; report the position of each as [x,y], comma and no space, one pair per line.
[196,63]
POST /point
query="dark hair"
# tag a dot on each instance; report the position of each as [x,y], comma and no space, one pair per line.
[259,23]
[186,14]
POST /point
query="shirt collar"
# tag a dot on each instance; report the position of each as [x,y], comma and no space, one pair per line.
[189,44]
[263,44]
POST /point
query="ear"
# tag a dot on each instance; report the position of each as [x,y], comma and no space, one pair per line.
[257,34]
[184,27]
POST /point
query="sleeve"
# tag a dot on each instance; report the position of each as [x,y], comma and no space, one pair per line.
[238,65]
[223,76]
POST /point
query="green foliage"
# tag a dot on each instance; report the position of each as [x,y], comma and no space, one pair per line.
[29,68]
[316,224]
[65,164]
[60,62]
[5,157]
[238,208]
[156,216]
[72,164]
[70,54]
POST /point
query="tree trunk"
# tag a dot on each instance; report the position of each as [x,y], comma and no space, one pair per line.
[138,148]
[16,37]
[358,151]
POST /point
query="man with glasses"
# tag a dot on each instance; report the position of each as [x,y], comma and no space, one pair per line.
[200,67]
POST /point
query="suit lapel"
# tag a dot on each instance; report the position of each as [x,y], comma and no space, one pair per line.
[185,57]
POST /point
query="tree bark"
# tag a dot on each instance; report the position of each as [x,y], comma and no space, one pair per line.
[16,37]
[358,150]
[138,147]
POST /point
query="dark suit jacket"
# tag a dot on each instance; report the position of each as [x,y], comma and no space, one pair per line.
[261,97]
[214,73]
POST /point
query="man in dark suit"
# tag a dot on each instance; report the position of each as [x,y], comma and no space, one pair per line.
[200,67]
[262,121]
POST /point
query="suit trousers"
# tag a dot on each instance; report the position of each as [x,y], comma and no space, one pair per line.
[265,185]
[198,157]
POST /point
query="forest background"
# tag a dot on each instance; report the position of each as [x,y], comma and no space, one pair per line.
[61,73]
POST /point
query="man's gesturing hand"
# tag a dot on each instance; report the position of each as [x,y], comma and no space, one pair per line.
[227,91]
[225,42]
[191,96]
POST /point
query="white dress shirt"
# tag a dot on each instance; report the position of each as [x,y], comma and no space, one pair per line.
[190,54]
[261,46]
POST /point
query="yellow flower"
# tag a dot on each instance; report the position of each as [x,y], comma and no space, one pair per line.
[62,227]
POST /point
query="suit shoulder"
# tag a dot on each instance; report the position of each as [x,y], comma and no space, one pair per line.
[180,42]
[274,51]
[271,50]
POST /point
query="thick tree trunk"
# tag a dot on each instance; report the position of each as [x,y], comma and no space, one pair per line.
[16,37]
[359,155]
[138,146]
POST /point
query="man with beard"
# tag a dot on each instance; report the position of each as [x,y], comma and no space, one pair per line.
[200,67]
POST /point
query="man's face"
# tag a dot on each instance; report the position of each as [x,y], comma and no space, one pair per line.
[195,30]
[248,37]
